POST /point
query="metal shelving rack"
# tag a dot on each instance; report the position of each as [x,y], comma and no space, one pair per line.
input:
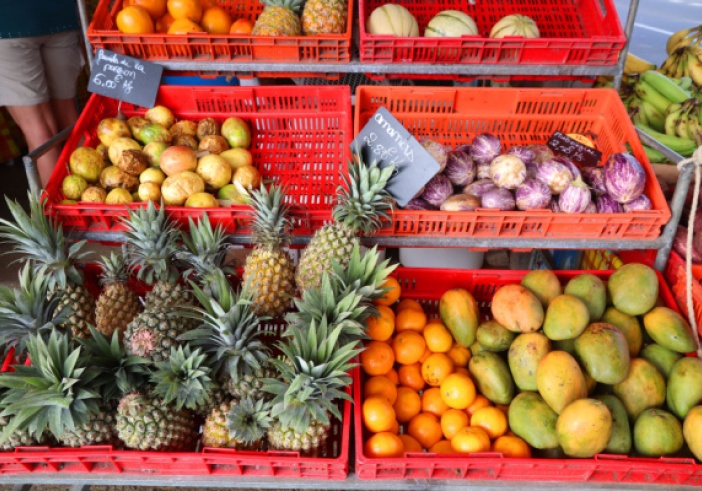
[82,482]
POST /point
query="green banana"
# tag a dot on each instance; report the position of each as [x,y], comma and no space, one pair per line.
[683,146]
[654,156]
[655,118]
[684,83]
[670,120]
[647,93]
[681,125]
[669,89]
[676,106]
[639,117]
[681,70]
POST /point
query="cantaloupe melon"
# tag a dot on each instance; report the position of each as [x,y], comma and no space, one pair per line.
[451,23]
[392,20]
[515,25]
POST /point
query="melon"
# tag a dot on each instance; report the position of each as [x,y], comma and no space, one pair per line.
[451,23]
[392,20]
[515,26]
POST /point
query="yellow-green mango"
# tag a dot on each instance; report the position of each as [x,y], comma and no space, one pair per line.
[603,352]
[620,441]
[657,433]
[591,290]
[584,428]
[662,358]
[643,388]
[566,317]
[628,325]
[460,314]
[692,433]
[669,329]
[560,380]
[493,336]
[517,309]
[533,420]
[634,288]
[491,375]
[685,386]
[523,357]
[544,284]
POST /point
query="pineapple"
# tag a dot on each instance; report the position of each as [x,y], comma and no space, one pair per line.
[20,438]
[312,378]
[215,430]
[269,272]
[279,18]
[42,242]
[324,17]
[362,203]
[237,424]
[229,334]
[117,305]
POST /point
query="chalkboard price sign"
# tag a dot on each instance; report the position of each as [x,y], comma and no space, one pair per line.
[384,140]
[124,78]
[574,150]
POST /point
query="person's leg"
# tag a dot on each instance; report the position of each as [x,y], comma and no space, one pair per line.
[63,60]
[65,112]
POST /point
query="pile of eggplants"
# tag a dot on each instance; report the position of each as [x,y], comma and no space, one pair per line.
[486,175]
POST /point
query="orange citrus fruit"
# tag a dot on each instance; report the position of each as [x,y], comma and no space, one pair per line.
[410,320]
[436,368]
[426,429]
[433,403]
[492,420]
[134,20]
[457,390]
[155,8]
[471,439]
[185,9]
[207,3]
[461,370]
[442,447]
[392,375]
[383,445]
[164,23]
[407,405]
[378,414]
[437,337]
[216,20]
[381,386]
[411,376]
[479,402]
[460,355]
[408,347]
[184,26]
[452,421]
[409,303]
[392,292]
[241,26]
[410,444]
[512,446]
[382,326]
[378,358]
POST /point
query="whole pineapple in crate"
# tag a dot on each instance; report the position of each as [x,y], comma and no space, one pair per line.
[279,18]
[117,305]
[239,424]
[362,203]
[41,241]
[324,17]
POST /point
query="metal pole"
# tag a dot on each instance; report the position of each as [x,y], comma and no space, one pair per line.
[83,14]
[676,207]
[30,160]
[628,30]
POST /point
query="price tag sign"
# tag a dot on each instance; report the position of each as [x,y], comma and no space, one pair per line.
[574,150]
[124,78]
[384,140]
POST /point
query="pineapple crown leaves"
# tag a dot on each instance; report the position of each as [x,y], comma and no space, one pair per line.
[248,421]
[25,310]
[271,221]
[363,201]
[114,267]
[120,373]
[228,331]
[151,241]
[294,5]
[37,238]
[204,250]
[363,273]
[314,376]
[55,392]
[184,378]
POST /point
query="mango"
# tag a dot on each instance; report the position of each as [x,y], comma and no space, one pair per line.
[657,433]
[634,288]
[567,345]
[533,420]
[620,441]
[590,383]
[691,431]
[493,336]
[662,358]
[459,313]
[685,386]
[643,388]
[476,348]
[603,352]
[517,309]
[584,428]
[492,377]
[566,317]
[669,329]
[591,290]
[544,284]
[560,380]
[628,325]
[523,357]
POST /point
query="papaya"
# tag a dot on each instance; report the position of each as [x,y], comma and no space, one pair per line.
[459,313]
[517,309]
[476,348]
[494,337]
[692,433]
[560,380]
[544,284]
[685,386]
[643,388]
[662,358]
[620,441]
[566,317]
[584,428]
[603,352]
[491,375]
[533,420]
[523,357]
[669,329]
[628,325]
[591,290]
[657,433]
[567,345]
[633,288]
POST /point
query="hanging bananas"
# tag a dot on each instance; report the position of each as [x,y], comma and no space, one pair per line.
[682,38]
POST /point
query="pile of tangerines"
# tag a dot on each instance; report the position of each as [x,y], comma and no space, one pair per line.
[417,392]
[178,17]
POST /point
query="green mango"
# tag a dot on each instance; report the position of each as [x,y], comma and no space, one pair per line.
[492,377]
[591,290]
[662,358]
[685,386]
[493,336]
[669,329]
[620,441]
[533,420]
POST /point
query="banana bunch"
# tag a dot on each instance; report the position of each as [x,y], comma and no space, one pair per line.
[684,55]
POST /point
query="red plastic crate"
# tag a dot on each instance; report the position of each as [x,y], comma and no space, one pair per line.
[300,139]
[326,48]
[453,116]
[573,32]
[329,462]
[676,276]
[427,286]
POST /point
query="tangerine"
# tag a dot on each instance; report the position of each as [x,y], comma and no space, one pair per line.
[409,347]
[216,20]
[425,355]
[378,414]
[241,26]
[407,405]
[382,386]
[436,368]
[207,4]
[471,439]
[479,402]
[437,337]
[409,303]
[457,390]
[411,376]
[164,23]
[383,445]
[512,446]
[155,8]
[392,375]
[426,429]
[134,20]
[490,419]
[460,355]
[184,26]
[185,9]
[442,447]
[410,444]
[381,327]
[433,403]
[410,320]
[378,358]
[391,293]
[452,421]
[462,370]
